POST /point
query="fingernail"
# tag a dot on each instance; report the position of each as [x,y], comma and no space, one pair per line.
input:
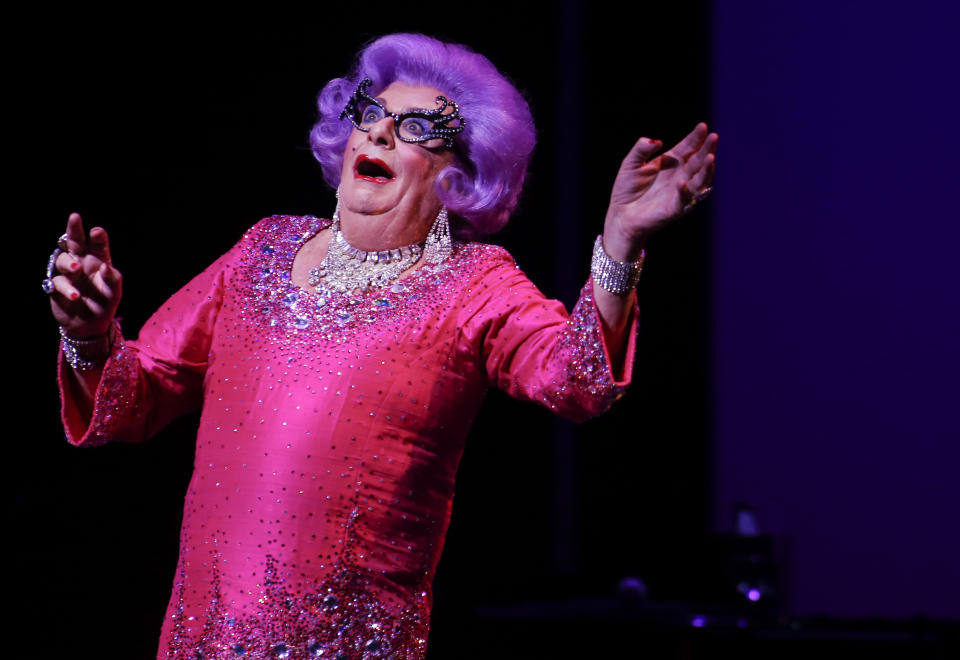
[74,265]
[74,295]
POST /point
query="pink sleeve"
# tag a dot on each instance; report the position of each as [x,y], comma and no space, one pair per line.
[534,350]
[149,382]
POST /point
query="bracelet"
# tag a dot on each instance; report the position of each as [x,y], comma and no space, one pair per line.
[88,354]
[617,277]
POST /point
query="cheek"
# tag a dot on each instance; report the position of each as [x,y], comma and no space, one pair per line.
[353,143]
[437,166]
[414,166]
[429,165]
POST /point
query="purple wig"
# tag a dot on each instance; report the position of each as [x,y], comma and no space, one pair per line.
[497,139]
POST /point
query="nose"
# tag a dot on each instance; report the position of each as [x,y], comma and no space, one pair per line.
[382,133]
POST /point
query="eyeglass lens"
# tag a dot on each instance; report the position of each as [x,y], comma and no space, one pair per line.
[407,127]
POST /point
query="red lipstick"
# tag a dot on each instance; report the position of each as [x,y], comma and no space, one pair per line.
[372,169]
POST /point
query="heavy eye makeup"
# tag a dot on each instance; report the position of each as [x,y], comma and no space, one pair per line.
[415,127]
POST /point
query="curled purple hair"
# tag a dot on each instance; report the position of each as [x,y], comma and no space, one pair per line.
[483,185]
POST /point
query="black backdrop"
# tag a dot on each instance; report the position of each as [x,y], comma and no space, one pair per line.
[177,131]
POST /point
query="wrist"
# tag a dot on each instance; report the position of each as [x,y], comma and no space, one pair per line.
[88,332]
[622,246]
[616,276]
[85,336]
[90,352]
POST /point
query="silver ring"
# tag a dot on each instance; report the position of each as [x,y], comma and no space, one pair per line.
[699,197]
[702,195]
[51,263]
[62,243]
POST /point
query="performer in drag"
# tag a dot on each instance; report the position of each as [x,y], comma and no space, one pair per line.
[339,363]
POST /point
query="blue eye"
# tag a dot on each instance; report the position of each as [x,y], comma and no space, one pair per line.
[413,128]
[371,115]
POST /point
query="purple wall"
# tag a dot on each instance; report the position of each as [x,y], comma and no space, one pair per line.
[836,306]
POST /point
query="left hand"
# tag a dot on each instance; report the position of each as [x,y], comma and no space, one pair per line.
[649,193]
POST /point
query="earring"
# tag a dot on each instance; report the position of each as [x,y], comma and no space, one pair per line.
[336,211]
[438,246]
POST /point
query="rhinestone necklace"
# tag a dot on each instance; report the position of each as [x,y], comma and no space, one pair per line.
[346,269]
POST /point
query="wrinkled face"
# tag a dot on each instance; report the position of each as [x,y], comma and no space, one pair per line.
[385,175]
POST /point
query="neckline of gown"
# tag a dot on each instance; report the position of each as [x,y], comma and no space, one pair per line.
[410,283]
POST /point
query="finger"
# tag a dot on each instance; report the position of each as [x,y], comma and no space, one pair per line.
[68,264]
[107,281]
[704,177]
[69,313]
[696,161]
[94,309]
[99,244]
[642,151]
[65,288]
[690,144]
[76,239]
[710,144]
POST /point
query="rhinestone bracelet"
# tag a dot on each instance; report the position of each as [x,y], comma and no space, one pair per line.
[88,354]
[617,277]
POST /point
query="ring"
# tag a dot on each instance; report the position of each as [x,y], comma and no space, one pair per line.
[702,195]
[51,263]
[62,243]
[699,197]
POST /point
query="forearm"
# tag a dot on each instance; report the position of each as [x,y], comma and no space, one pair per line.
[615,310]
[615,313]
[83,363]
[78,399]
[84,388]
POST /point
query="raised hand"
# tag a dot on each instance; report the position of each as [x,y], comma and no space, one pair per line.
[649,191]
[87,288]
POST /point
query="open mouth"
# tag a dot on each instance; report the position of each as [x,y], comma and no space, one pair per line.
[372,169]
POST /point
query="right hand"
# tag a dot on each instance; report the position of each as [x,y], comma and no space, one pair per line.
[87,288]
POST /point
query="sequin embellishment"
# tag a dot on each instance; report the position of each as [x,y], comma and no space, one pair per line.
[330,435]
[116,401]
[337,618]
[325,315]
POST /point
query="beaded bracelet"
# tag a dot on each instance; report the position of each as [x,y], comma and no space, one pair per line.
[617,277]
[88,354]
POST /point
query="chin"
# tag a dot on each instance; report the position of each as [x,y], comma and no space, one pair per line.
[366,199]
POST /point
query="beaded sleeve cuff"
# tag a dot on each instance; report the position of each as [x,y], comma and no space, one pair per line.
[115,404]
[589,375]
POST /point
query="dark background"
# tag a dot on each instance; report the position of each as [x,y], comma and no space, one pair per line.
[836,297]
[782,322]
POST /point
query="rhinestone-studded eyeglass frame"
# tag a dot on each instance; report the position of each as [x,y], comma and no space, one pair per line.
[439,119]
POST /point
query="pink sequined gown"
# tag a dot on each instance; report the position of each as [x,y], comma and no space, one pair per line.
[330,435]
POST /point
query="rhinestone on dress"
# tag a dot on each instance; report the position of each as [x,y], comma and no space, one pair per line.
[326,453]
